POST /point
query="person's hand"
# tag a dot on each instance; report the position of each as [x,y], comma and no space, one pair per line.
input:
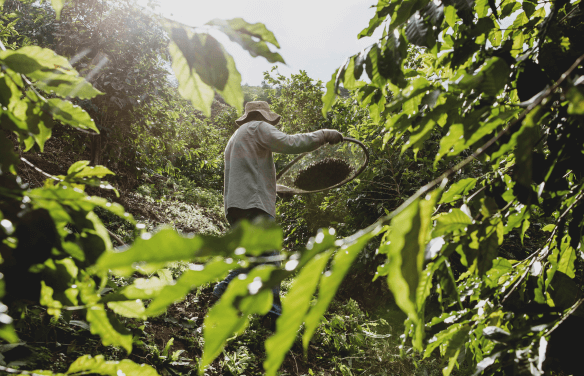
[332,137]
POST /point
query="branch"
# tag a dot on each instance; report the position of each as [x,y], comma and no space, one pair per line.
[39,170]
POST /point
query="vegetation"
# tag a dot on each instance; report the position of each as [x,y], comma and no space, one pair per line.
[467,223]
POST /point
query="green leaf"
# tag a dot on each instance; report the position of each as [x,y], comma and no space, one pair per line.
[462,135]
[490,78]
[458,189]
[229,315]
[372,65]
[488,249]
[446,336]
[90,172]
[417,30]
[295,305]
[232,92]
[501,266]
[526,139]
[190,85]
[576,98]
[29,59]
[100,324]
[9,90]
[390,60]
[51,72]
[98,365]
[384,8]
[242,32]
[133,309]
[207,60]
[446,223]
[64,85]
[329,284]
[8,159]
[67,113]
[53,306]
[77,166]
[204,54]
[169,294]
[8,333]
[330,97]
[405,10]
[450,15]
[566,261]
[57,6]
[405,248]
[453,349]
[145,256]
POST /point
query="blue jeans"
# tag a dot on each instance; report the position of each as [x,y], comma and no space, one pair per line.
[235,215]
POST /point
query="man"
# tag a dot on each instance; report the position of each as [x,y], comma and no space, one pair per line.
[250,175]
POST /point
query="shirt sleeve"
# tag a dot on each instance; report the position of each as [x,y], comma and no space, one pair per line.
[277,141]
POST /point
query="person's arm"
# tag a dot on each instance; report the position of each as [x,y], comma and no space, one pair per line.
[279,142]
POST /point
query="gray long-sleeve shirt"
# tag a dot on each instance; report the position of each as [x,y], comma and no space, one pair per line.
[250,174]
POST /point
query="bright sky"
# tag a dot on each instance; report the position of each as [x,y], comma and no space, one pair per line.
[314,35]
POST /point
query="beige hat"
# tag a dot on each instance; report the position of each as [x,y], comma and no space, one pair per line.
[261,107]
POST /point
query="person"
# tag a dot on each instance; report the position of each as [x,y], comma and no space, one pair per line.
[250,175]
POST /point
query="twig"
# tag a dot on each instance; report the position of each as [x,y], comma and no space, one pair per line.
[39,170]
[572,310]
[117,238]
[17,371]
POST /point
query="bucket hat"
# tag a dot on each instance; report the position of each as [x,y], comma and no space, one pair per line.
[261,107]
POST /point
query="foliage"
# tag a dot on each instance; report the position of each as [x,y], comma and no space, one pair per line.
[509,97]
[488,91]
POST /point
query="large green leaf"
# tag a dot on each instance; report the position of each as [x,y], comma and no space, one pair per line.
[295,305]
[330,97]
[229,315]
[490,78]
[190,85]
[204,54]
[458,189]
[372,67]
[384,8]
[446,223]
[329,284]
[145,254]
[70,114]
[566,261]
[243,33]
[98,365]
[576,97]
[102,324]
[417,30]
[405,247]
[29,59]
[131,308]
[232,92]
[405,10]
[197,276]
[66,86]
[51,72]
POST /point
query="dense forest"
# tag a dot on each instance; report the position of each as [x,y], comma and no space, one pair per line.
[457,251]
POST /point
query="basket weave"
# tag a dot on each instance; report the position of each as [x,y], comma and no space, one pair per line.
[283,177]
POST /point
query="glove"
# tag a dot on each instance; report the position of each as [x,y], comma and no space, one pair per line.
[332,137]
